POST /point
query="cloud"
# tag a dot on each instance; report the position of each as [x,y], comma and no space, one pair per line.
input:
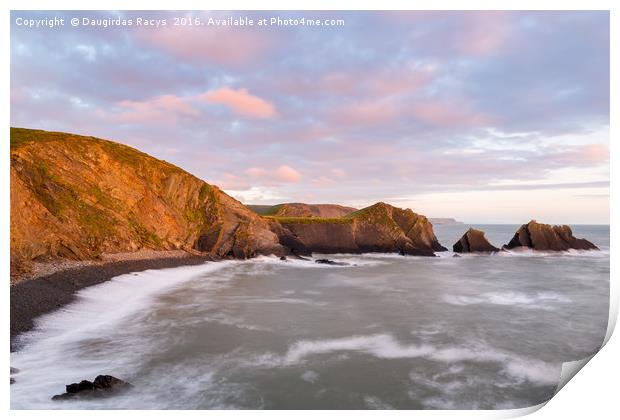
[165,108]
[229,46]
[282,174]
[365,113]
[486,32]
[241,102]
[232,182]
[288,174]
[448,114]
[440,101]
[579,156]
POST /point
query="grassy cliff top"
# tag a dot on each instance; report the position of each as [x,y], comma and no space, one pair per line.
[25,138]
[310,220]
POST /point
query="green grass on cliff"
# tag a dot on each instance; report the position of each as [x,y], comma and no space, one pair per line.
[265,210]
[310,220]
[22,136]
[122,153]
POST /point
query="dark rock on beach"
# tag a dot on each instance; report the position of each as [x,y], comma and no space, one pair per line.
[329,262]
[543,237]
[473,241]
[102,386]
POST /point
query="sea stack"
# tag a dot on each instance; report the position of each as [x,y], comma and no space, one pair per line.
[473,241]
[377,228]
[543,237]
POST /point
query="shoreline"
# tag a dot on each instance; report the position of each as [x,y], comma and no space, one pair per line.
[41,294]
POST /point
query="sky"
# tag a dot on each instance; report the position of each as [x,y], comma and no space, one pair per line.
[487,117]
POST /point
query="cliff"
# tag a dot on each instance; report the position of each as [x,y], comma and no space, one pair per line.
[543,237]
[77,197]
[302,210]
[377,228]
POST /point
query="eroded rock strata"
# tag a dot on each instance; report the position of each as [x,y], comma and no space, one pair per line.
[473,241]
[543,237]
[377,228]
[77,197]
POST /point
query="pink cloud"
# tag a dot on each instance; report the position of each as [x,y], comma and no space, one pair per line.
[288,174]
[283,174]
[241,102]
[582,155]
[377,83]
[256,172]
[466,32]
[446,114]
[232,182]
[222,45]
[166,108]
[365,113]
[486,32]
[338,172]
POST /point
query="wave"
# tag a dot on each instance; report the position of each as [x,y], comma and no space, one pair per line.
[110,302]
[352,260]
[540,300]
[385,346]
[531,253]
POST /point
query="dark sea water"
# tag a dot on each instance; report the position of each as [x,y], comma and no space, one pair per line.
[477,332]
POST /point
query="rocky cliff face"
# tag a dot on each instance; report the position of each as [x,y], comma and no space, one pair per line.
[77,197]
[473,241]
[544,237]
[378,228]
[303,210]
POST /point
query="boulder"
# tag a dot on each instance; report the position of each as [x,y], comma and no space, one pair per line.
[543,237]
[102,386]
[473,241]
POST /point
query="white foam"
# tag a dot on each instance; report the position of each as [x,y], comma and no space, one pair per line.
[375,403]
[310,376]
[540,300]
[351,260]
[385,346]
[528,253]
[45,362]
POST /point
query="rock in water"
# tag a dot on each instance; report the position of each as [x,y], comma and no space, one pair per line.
[102,386]
[542,237]
[473,241]
[329,262]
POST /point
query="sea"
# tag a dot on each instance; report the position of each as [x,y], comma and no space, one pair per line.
[383,332]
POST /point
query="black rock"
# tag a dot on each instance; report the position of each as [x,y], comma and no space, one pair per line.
[82,386]
[102,386]
[283,258]
[109,382]
[329,262]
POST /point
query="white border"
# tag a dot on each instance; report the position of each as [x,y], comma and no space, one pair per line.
[591,394]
